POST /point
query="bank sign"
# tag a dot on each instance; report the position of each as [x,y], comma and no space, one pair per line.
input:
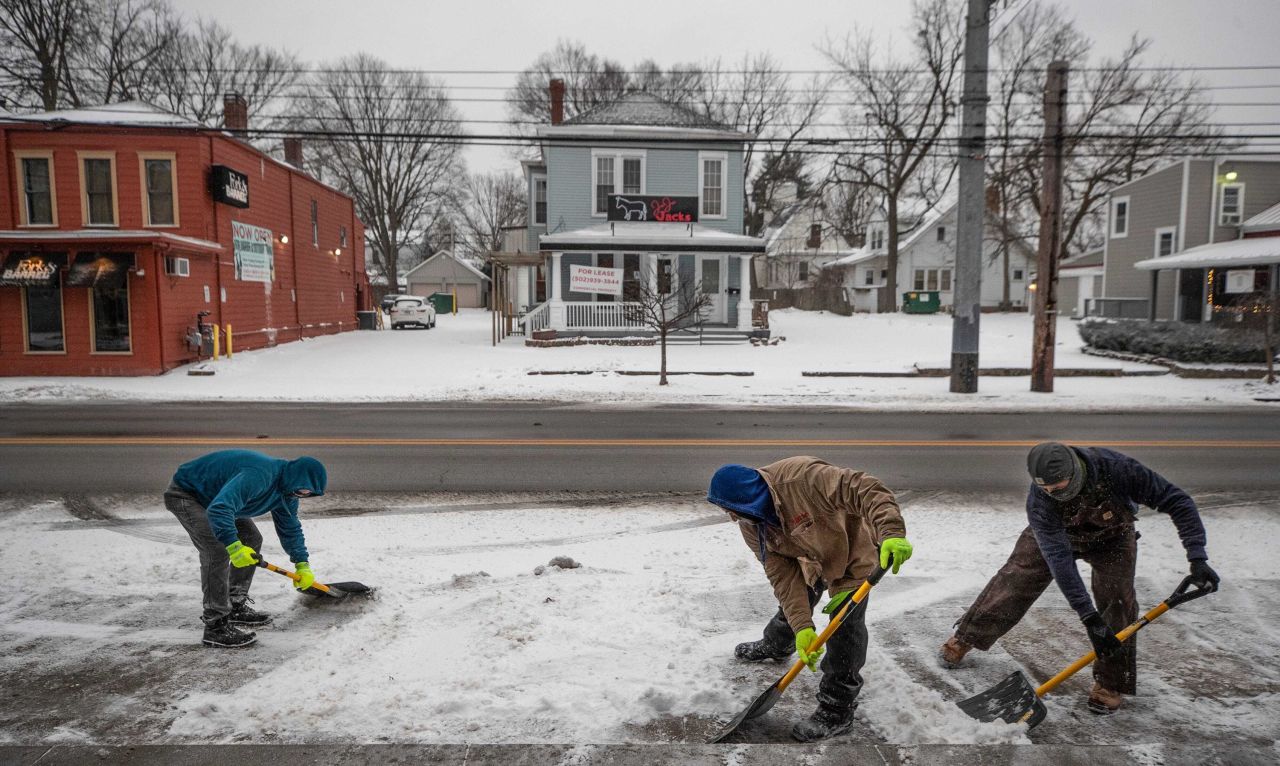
[254,254]
[655,208]
[230,187]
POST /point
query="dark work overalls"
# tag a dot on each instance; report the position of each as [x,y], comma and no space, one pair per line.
[1101,532]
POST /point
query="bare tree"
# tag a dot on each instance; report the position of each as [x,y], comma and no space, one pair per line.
[391,140]
[490,203]
[760,98]
[207,63]
[123,51]
[901,110]
[37,40]
[666,308]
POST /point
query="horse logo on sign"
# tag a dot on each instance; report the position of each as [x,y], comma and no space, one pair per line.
[632,207]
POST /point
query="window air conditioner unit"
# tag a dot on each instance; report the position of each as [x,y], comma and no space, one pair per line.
[177,267]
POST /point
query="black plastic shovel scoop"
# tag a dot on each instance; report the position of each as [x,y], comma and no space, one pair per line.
[1017,700]
[334,590]
[771,695]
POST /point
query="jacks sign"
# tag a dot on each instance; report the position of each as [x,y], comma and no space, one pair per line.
[656,208]
[230,187]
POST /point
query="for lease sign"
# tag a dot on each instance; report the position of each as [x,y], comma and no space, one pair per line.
[595,279]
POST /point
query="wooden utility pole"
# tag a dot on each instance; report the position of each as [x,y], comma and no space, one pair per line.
[971,208]
[1046,299]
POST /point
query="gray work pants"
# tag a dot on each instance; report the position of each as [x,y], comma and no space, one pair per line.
[222,583]
[846,652]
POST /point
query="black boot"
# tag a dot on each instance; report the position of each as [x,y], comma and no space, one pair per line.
[223,634]
[825,722]
[241,614]
[759,651]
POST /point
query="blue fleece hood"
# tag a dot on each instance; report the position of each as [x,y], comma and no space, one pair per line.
[303,473]
[744,491]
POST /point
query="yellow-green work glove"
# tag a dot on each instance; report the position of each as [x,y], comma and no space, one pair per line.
[805,639]
[836,601]
[305,577]
[898,548]
[241,555]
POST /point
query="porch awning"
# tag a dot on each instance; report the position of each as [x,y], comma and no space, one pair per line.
[106,270]
[652,237]
[1236,253]
[23,269]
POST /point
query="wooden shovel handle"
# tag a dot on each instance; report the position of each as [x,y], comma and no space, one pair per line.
[1180,596]
[833,626]
[291,575]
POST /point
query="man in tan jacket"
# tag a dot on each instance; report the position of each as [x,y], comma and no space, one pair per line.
[814,527]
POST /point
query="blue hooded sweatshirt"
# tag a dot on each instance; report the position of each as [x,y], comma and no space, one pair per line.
[240,483]
[744,491]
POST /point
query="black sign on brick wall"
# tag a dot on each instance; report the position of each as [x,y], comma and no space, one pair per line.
[228,186]
[652,208]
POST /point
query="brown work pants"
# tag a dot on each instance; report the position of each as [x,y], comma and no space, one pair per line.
[1022,579]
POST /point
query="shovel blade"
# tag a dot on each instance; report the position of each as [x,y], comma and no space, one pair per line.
[340,590]
[1013,700]
[756,709]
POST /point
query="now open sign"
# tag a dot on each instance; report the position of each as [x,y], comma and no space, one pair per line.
[595,279]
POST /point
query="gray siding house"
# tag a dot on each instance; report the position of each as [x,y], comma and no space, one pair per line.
[1187,204]
[637,145]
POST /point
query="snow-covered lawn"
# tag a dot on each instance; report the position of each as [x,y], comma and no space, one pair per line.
[455,362]
[465,642]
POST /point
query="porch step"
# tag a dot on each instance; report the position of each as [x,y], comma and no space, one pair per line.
[708,339]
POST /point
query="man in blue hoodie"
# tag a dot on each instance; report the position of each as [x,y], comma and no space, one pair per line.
[1082,505]
[814,527]
[215,497]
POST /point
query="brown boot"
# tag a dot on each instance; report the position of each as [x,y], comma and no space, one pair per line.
[1103,701]
[953,651]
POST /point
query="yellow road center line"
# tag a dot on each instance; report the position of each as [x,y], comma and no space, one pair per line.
[327,441]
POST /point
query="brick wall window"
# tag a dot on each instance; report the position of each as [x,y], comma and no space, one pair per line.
[315,223]
[111,318]
[98,182]
[42,319]
[159,190]
[38,196]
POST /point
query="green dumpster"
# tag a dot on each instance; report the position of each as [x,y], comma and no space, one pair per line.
[443,302]
[921,302]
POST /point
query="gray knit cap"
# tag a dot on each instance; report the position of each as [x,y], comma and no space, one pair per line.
[1050,463]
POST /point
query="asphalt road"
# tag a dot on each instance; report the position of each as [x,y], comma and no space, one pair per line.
[116,447]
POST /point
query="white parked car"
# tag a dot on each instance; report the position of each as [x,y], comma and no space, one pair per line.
[412,310]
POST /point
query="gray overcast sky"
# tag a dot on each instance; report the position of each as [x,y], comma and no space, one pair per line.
[493,34]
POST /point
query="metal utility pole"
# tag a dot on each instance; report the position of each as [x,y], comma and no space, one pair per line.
[1046,299]
[970,212]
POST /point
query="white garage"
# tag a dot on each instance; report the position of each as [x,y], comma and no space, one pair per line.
[443,273]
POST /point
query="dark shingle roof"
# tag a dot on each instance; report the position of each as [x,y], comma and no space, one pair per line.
[639,108]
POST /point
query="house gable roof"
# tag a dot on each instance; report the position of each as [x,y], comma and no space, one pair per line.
[447,254]
[639,108]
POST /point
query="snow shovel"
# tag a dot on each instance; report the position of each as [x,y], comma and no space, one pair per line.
[1016,700]
[771,695]
[337,590]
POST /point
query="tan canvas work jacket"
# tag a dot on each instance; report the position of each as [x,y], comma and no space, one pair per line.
[832,522]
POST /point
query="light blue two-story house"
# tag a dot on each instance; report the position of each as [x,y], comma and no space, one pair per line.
[636,150]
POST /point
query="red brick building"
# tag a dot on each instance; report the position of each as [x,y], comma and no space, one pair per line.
[119,224]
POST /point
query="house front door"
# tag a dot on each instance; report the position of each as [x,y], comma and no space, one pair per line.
[711,277]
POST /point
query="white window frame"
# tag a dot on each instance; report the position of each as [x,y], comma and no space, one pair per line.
[172,159]
[946,280]
[20,171]
[723,158]
[1018,275]
[1222,212]
[1172,233]
[1111,218]
[618,156]
[533,195]
[84,190]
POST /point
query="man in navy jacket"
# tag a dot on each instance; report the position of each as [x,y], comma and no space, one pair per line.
[1082,505]
[215,497]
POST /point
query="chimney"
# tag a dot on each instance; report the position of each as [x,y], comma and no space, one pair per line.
[293,151]
[557,101]
[815,236]
[235,113]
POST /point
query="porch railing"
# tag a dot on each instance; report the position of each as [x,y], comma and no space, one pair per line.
[537,319]
[600,316]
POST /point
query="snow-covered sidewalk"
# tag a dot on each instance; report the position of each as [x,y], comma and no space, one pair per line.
[469,641]
[455,362]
